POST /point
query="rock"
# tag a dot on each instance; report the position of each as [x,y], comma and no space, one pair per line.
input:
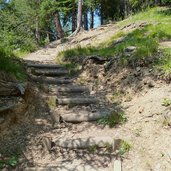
[93,92]
[46,144]
[119,41]
[151,83]
[117,165]
[11,88]
[130,49]
[2,120]
[138,69]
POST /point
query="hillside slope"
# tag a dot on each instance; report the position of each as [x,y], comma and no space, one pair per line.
[126,66]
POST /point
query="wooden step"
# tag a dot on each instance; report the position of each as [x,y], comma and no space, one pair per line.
[11,88]
[50,80]
[45,66]
[8,106]
[71,89]
[84,143]
[76,116]
[76,101]
[10,103]
[50,72]
[67,167]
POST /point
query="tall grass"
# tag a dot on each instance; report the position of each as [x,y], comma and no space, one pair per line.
[9,64]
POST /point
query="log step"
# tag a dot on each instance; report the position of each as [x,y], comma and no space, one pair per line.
[45,66]
[76,101]
[83,117]
[67,167]
[50,80]
[71,89]
[50,72]
[6,107]
[84,143]
[78,115]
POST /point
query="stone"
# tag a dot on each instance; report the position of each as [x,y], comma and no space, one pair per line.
[119,41]
[130,49]
[2,120]
[138,69]
[151,83]
[117,165]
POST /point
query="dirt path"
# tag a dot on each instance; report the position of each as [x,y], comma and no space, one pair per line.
[166,44]
[147,129]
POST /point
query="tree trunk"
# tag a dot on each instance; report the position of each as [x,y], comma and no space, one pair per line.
[101,13]
[91,18]
[11,89]
[79,18]
[85,20]
[37,33]
[73,20]
[58,26]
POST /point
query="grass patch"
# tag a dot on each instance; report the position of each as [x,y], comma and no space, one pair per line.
[157,14]
[163,63]
[21,54]
[73,68]
[166,102]
[145,39]
[12,161]
[51,101]
[124,147]
[9,64]
[113,119]
[93,148]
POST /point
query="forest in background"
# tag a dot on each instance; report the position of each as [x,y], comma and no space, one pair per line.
[27,24]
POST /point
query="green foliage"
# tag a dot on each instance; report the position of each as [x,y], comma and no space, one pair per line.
[124,148]
[9,64]
[78,52]
[93,148]
[72,67]
[16,26]
[113,119]
[163,62]
[166,102]
[51,102]
[12,161]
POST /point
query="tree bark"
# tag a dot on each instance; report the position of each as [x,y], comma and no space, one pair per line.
[101,13]
[11,89]
[91,18]
[58,26]
[37,33]
[79,18]
[85,20]
[73,20]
